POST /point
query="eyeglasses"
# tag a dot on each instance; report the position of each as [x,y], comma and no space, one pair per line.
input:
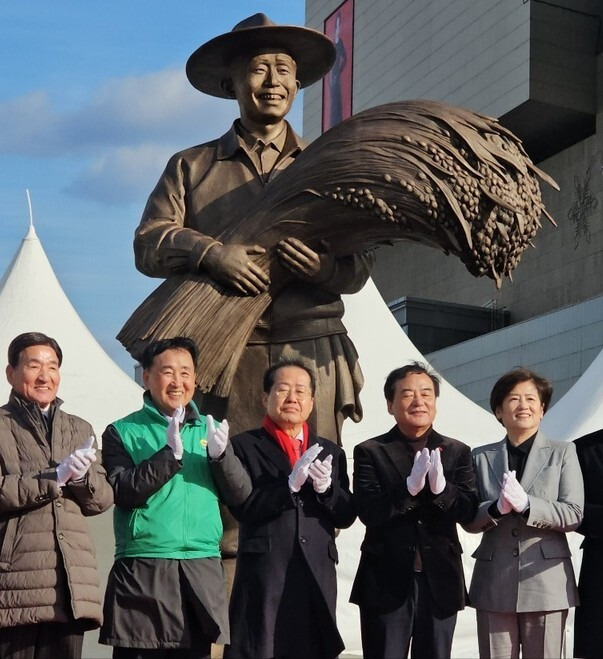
[301,393]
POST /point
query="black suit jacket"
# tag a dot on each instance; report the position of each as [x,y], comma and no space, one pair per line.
[286,542]
[588,631]
[397,524]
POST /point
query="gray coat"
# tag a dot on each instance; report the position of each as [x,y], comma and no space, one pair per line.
[523,562]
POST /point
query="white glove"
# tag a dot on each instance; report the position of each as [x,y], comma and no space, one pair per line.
[416,480]
[504,507]
[76,465]
[437,482]
[515,494]
[217,438]
[299,473]
[320,473]
[172,435]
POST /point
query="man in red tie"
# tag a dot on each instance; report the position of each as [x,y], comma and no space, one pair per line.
[284,593]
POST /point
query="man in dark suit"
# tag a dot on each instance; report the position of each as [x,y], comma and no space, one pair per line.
[588,632]
[411,486]
[284,591]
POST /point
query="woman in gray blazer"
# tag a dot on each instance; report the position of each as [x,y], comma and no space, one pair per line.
[531,495]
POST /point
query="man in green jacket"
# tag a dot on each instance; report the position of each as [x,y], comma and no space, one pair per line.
[166,595]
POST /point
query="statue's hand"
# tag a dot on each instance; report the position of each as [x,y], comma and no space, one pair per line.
[233,266]
[304,262]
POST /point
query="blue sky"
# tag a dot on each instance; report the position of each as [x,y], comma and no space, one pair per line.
[93,101]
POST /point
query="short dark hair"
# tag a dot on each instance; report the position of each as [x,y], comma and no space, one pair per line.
[284,363]
[506,382]
[155,348]
[28,339]
[389,388]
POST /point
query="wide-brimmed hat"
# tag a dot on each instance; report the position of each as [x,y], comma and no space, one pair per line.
[208,66]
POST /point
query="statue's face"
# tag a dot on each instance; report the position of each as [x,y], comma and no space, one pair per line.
[264,85]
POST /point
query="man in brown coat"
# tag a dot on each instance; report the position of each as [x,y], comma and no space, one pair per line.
[49,481]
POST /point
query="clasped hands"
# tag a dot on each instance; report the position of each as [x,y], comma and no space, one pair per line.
[427,464]
[217,436]
[235,266]
[76,465]
[308,466]
[512,495]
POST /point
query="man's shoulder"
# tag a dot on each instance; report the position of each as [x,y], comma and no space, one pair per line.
[372,443]
[331,447]
[247,436]
[593,440]
[72,418]
[131,418]
[208,150]
[194,154]
[452,442]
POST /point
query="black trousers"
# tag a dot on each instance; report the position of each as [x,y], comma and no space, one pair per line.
[389,635]
[154,653]
[44,640]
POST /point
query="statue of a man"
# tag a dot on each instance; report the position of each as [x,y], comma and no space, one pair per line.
[206,188]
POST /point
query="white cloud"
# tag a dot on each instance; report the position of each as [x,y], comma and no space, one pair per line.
[121,138]
[29,125]
[121,175]
[160,107]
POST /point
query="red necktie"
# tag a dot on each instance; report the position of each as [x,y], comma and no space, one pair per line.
[296,448]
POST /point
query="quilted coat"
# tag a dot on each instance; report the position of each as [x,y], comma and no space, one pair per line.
[47,563]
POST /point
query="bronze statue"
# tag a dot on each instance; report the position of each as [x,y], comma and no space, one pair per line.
[416,170]
[190,224]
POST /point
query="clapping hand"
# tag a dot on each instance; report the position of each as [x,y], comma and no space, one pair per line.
[217,438]
[420,468]
[504,507]
[437,482]
[172,435]
[299,473]
[514,493]
[76,465]
[320,473]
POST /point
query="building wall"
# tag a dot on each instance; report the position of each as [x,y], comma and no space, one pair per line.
[538,65]
[560,345]
[473,53]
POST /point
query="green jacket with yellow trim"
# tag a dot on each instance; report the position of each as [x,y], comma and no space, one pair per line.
[181,519]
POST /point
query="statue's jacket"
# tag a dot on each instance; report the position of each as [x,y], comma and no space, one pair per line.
[202,191]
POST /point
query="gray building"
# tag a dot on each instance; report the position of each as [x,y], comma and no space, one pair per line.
[536,65]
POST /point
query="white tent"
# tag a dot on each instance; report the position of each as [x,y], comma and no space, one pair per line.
[32,300]
[580,411]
